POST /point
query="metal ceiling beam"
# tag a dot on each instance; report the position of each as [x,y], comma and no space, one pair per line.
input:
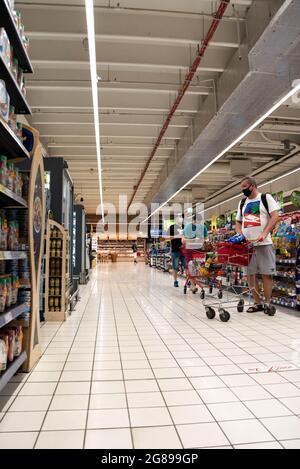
[247,89]
[119,25]
[199,58]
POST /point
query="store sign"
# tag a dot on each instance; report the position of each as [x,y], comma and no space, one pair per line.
[38,213]
[278,196]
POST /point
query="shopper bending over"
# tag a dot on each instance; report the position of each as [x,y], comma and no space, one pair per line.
[256,218]
[194,235]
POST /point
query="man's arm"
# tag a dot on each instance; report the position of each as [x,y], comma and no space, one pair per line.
[238,227]
[274,218]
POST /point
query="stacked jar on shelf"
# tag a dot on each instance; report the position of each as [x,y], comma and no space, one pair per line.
[55,274]
[11,339]
[10,176]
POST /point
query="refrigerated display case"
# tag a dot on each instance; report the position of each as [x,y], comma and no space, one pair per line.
[79,248]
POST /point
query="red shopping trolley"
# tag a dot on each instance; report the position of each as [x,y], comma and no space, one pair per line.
[216,276]
[204,272]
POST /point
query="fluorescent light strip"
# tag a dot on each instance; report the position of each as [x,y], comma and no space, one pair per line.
[291,93]
[90,19]
[261,185]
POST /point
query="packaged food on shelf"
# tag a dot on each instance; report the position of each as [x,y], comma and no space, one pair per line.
[19,132]
[18,340]
[15,68]
[3,170]
[10,176]
[5,49]
[11,344]
[9,292]
[12,120]
[3,232]
[3,351]
[12,241]
[15,289]
[4,101]
[3,293]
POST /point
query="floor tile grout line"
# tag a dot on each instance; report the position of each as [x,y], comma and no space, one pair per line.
[58,382]
[252,339]
[91,382]
[141,307]
[195,330]
[221,334]
[156,380]
[230,388]
[126,396]
[240,402]
[263,386]
[242,371]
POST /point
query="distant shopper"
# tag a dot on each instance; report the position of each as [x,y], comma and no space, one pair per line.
[256,218]
[194,236]
[174,236]
[134,250]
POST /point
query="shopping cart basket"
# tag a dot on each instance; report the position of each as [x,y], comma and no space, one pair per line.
[206,272]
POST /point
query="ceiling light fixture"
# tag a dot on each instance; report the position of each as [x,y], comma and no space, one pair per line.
[90,20]
[279,103]
[260,185]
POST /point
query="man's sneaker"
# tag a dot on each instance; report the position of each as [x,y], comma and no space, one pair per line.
[176,284]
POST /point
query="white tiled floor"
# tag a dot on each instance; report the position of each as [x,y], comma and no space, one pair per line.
[138,365]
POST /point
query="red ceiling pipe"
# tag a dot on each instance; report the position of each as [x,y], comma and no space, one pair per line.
[189,77]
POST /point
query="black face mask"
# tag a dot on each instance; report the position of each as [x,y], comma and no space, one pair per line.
[247,192]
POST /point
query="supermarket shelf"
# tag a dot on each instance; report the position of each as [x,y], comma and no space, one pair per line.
[11,370]
[12,313]
[12,255]
[286,277]
[286,261]
[17,98]
[280,303]
[7,21]
[10,145]
[9,199]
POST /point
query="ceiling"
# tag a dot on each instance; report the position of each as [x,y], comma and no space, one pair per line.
[268,152]
[143,55]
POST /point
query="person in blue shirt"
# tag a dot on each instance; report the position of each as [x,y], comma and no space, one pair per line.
[194,235]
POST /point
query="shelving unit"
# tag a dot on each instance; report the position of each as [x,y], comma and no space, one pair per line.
[7,22]
[32,210]
[17,98]
[12,369]
[10,145]
[122,248]
[60,290]
[10,199]
[12,255]
[11,314]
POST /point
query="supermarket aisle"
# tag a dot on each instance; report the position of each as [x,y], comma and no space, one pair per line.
[139,365]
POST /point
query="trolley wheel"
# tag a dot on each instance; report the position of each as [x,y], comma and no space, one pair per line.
[194,291]
[240,306]
[185,290]
[210,312]
[202,294]
[210,289]
[270,310]
[224,316]
[220,295]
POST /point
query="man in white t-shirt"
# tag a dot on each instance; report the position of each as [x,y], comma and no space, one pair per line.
[256,218]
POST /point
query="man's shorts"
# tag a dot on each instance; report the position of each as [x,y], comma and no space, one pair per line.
[176,258]
[263,261]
